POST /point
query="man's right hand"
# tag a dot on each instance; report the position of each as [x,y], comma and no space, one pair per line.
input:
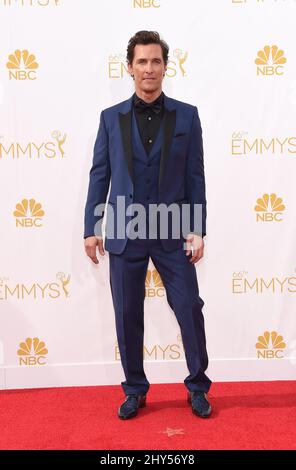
[90,245]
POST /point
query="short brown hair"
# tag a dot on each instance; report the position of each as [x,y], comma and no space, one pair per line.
[146,37]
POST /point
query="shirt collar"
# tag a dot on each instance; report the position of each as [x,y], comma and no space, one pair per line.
[159,99]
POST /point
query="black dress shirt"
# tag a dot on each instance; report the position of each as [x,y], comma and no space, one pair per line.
[148,120]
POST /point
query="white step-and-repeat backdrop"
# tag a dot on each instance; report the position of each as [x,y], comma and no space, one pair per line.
[61,63]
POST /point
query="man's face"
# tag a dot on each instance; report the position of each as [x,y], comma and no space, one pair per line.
[147,67]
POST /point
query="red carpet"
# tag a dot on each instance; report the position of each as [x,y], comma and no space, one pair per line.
[246,415]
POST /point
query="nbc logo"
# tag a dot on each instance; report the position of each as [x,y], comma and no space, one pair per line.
[32,352]
[22,65]
[145,4]
[269,208]
[270,346]
[28,213]
[153,284]
[270,61]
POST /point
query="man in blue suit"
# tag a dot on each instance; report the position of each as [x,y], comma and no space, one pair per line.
[150,147]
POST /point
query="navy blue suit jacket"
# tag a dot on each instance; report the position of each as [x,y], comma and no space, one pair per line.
[181,175]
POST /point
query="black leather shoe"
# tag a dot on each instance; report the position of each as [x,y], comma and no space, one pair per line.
[129,407]
[199,404]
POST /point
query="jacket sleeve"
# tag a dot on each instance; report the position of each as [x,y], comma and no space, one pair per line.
[196,189]
[99,180]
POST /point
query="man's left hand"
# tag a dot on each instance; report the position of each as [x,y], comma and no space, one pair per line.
[195,244]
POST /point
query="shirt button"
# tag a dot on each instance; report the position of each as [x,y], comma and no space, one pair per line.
[150,141]
[149,118]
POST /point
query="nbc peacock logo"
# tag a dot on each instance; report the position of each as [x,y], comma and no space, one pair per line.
[153,284]
[22,65]
[32,352]
[269,208]
[28,213]
[270,61]
[270,346]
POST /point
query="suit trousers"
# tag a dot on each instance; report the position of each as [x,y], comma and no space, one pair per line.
[127,280]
